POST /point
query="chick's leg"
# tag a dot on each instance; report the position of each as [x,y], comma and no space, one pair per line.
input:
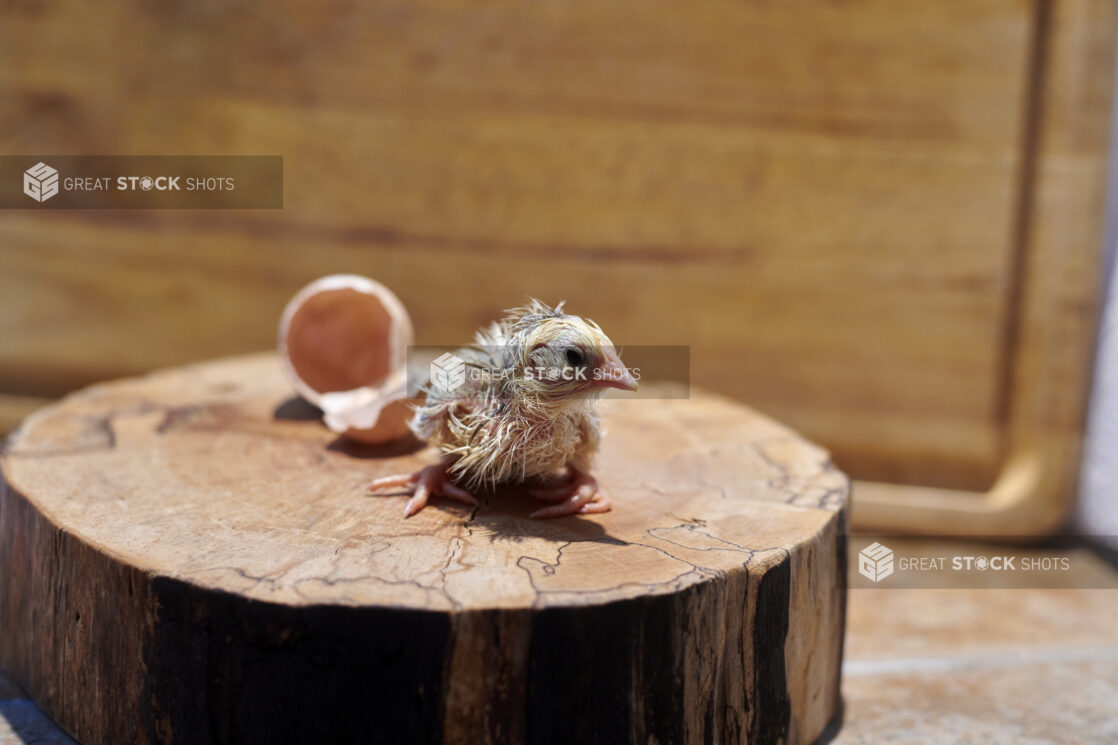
[427,481]
[579,497]
[557,489]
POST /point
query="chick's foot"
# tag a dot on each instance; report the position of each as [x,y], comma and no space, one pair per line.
[558,488]
[580,496]
[427,481]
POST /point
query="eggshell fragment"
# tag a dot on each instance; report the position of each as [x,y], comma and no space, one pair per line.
[343,342]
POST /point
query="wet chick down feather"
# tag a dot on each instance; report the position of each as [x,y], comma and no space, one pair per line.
[526,410]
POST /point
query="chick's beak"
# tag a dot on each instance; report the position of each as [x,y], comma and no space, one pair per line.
[613,374]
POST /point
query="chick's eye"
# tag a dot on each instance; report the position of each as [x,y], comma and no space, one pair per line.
[574,357]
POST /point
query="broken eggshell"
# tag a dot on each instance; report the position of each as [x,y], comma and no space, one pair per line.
[343,343]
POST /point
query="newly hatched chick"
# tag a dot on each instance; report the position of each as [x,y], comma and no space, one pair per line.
[526,410]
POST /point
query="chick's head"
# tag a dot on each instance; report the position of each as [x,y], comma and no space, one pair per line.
[565,356]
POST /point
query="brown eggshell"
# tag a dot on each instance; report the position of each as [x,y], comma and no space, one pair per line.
[343,342]
[391,425]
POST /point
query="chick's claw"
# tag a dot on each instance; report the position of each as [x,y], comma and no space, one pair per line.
[427,481]
[579,497]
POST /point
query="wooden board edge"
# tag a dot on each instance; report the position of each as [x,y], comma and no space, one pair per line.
[1050,341]
[1029,499]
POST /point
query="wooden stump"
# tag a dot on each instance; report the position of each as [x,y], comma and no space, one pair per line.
[191,557]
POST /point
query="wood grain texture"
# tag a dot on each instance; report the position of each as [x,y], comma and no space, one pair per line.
[819,199]
[879,223]
[193,558]
[1052,335]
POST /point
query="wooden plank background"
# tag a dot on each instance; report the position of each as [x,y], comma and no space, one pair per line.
[822,200]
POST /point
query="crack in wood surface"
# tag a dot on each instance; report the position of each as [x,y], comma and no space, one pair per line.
[183,413]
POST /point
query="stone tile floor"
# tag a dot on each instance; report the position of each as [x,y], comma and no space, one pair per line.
[22,722]
[1035,666]
[1027,666]
[981,666]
